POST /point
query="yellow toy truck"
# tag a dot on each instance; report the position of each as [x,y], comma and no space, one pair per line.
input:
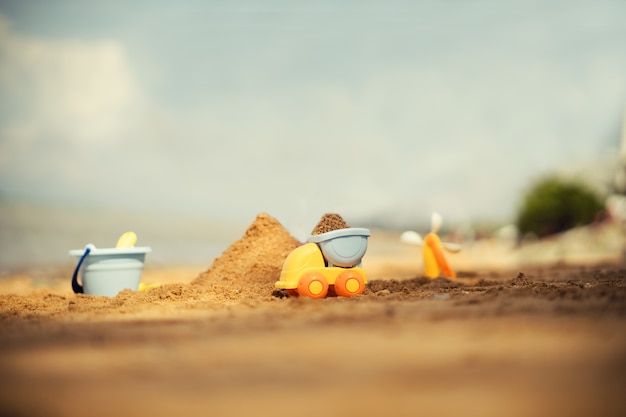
[329,261]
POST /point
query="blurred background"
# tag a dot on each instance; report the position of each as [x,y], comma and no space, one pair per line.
[183,120]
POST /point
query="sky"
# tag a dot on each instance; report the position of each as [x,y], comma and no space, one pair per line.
[374,110]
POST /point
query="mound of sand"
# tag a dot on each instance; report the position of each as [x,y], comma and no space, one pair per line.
[257,257]
[328,223]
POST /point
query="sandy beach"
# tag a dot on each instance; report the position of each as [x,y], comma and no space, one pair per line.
[212,135]
[532,330]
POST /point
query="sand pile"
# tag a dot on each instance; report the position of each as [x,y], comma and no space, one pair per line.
[328,223]
[256,258]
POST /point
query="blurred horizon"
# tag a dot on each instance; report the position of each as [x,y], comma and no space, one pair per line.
[213,112]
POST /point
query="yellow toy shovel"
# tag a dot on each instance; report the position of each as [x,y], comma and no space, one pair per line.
[127,240]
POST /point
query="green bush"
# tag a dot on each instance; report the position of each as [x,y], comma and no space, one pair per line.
[553,205]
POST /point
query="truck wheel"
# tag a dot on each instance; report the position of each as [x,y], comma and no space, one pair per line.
[313,284]
[349,283]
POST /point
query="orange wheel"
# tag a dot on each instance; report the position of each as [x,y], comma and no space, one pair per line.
[349,283]
[313,284]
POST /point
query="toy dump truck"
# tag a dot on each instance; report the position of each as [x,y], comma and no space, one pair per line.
[329,261]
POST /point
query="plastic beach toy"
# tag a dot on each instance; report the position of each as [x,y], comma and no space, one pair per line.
[435,262]
[127,240]
[110,270]
[328,261]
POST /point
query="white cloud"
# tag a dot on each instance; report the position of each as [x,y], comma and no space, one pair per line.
[76,89]
[68,103]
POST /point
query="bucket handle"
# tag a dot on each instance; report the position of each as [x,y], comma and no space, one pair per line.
[78,289]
